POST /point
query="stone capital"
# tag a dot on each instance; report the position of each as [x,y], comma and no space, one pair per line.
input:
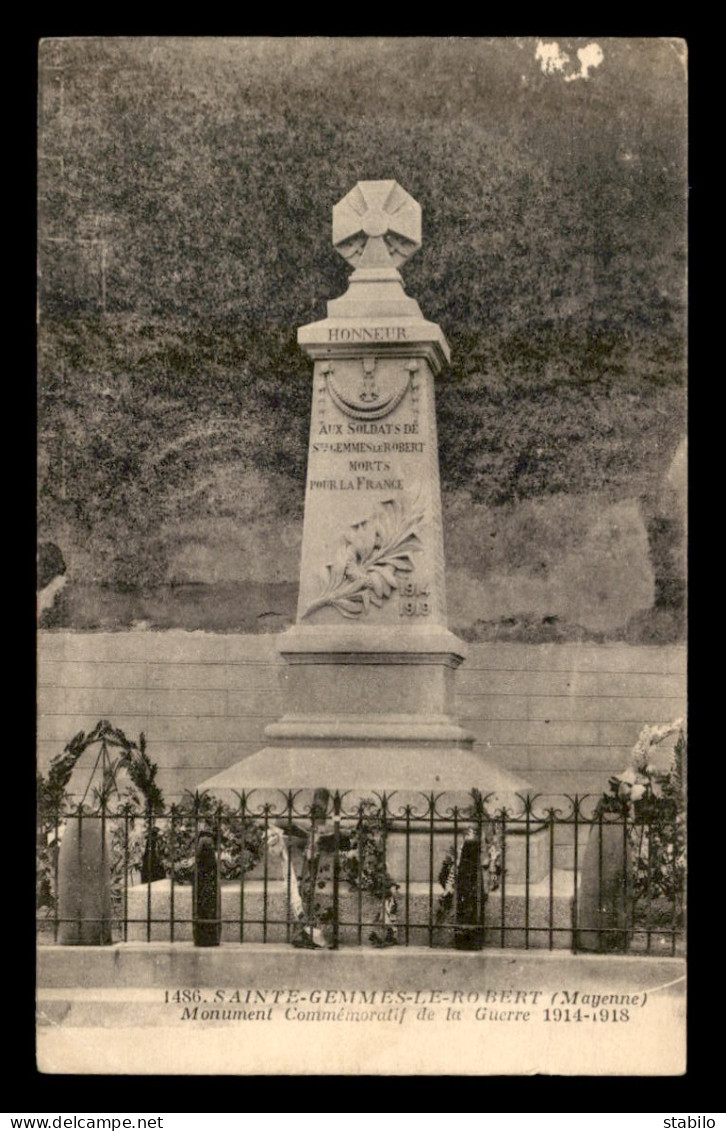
[377,225]
[376,228]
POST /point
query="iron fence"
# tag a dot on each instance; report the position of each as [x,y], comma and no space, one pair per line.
[325,869]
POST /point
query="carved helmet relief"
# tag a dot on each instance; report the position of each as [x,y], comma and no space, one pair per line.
[376,228]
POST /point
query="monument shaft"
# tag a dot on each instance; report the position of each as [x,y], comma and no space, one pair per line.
[372,545]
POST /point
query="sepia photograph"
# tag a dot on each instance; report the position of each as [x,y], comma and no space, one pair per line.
[361,556]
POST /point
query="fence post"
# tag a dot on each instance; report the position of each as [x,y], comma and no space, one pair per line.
[407,898]
[265,871]
[432,811]
[125,931]
[148,874]
[84,884]
[551,909]
[575,868]
[503,900]
[56,855]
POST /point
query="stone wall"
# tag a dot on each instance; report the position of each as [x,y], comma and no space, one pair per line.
[562,715]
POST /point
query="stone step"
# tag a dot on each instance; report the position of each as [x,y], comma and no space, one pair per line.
[412,849]
[104,1008]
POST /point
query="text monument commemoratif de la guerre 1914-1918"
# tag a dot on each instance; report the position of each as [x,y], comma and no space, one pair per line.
[369,666]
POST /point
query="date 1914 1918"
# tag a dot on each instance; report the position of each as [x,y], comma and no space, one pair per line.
[601,1015]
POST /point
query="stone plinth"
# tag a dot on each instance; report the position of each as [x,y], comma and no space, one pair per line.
[360,768]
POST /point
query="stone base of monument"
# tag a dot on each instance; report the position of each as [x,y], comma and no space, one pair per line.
[409,853]
[541,921]
[361,768]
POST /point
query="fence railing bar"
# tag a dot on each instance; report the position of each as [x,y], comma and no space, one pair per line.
[551,868]
[336,870]
[527,876]
[172,884]
[243,839]
[407,879]
[265,880]
[503,885]
[678,891]
[575,864]
[126,878]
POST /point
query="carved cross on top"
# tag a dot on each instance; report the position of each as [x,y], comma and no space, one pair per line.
[377,225]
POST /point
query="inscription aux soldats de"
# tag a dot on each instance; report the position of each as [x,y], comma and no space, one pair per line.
[385,447]
[360,483]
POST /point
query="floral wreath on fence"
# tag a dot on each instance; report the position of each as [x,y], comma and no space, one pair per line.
[486,831]
[138,845]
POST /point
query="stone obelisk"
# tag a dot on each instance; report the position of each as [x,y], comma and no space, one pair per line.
[370,663]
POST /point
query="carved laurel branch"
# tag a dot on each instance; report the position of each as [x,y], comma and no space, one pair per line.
[369,557]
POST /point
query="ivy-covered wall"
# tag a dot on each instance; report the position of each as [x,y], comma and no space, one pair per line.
[185,197]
